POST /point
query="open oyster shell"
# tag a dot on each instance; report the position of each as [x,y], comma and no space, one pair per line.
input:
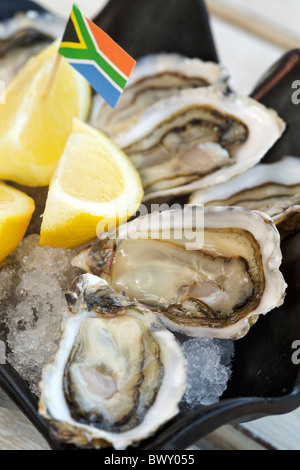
[272,188]
[198,138]
[118,374]
[213,286]
[155,76]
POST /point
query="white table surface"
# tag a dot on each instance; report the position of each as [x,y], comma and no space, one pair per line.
[246,57]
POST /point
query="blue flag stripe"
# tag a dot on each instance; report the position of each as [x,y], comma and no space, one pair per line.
[99,82]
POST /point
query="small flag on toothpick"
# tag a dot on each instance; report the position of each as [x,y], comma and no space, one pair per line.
[96,56]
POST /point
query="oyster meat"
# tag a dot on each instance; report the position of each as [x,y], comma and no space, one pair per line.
[155,76]
[216,289]
[198,138]
[271,188]
[118,375]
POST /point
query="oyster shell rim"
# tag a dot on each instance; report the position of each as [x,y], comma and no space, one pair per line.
[163,409]
[227,102]
[269,238]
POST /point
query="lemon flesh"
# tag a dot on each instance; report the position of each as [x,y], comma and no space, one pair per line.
[34,127]
[16,209]
[94,188]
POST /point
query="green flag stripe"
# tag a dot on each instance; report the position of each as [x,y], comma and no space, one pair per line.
[82,26]
[85,54]
[91,53]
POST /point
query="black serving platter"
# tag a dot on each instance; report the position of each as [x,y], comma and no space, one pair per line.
[264,379]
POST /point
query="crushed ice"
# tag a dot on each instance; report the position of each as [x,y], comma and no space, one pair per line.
[208,369]
[33,281]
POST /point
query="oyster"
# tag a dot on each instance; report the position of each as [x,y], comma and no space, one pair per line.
[118,375]
[23,36]
[28,26]
[155,76]
[216,287]
[15,59]
[288,221]
[271,188]
[198,138]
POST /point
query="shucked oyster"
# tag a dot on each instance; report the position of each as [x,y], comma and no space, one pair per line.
[155,76]
[217,288]
[271,188]
[118,374]
[198,138]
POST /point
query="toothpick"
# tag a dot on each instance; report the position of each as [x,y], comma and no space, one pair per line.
[52,76]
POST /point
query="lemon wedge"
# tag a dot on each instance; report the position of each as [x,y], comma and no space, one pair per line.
[94,188]
[16,209]
[34,126]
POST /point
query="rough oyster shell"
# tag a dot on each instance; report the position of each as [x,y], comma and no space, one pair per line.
[198,138]
[216,289]
[272,188]
[23,36]
[27,26]
[155,76]
[118,374]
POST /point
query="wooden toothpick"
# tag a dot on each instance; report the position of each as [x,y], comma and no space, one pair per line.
[52,76]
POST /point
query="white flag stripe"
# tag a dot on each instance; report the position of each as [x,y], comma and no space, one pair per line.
[103,55]
[92,62]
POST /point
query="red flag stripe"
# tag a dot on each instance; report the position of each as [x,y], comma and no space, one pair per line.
[112,50]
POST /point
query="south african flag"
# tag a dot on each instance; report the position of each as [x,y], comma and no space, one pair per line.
[96,56]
